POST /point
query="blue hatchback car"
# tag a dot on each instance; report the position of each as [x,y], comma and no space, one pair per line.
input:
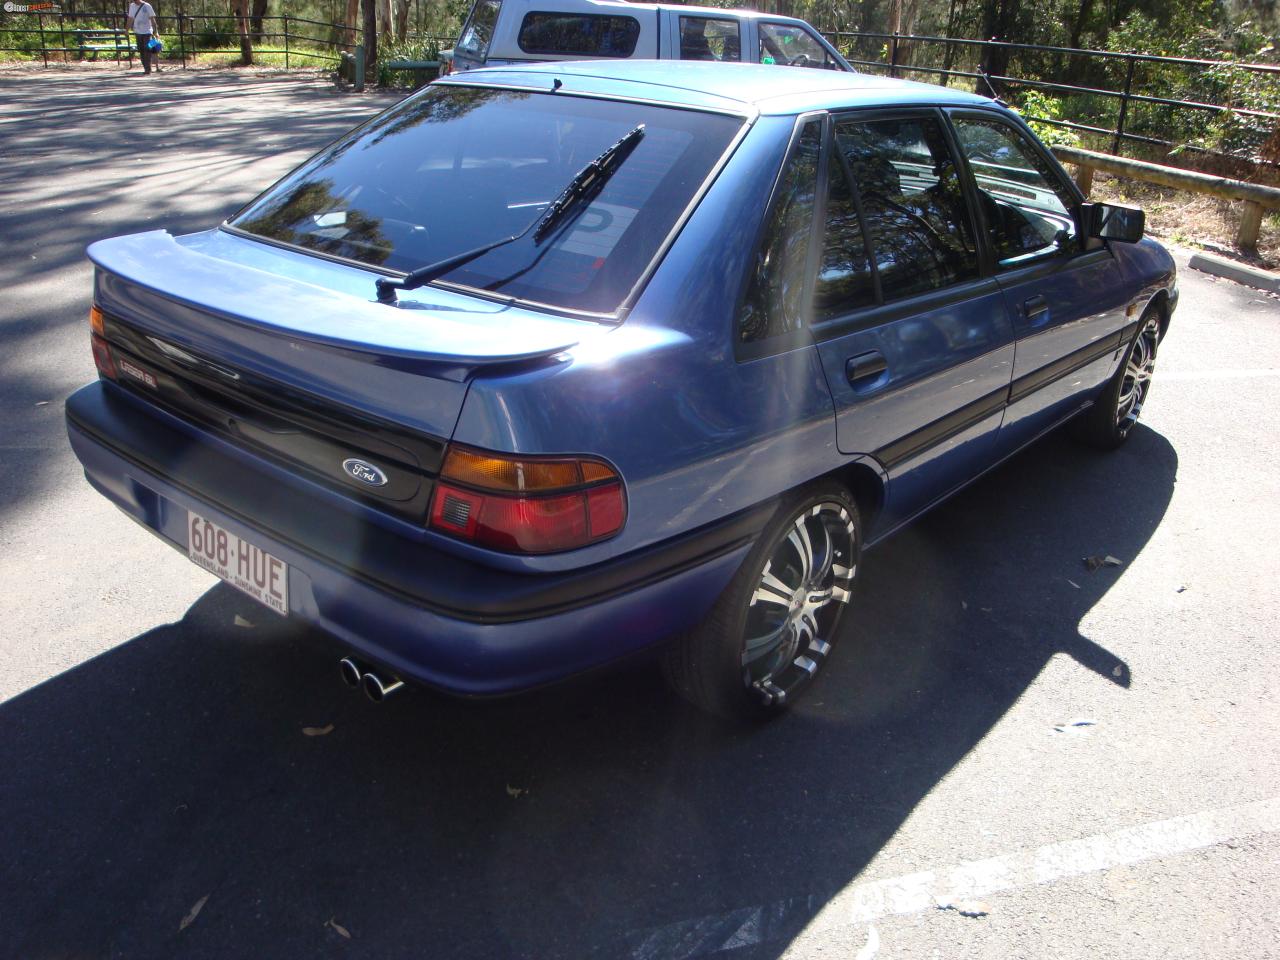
[546,366]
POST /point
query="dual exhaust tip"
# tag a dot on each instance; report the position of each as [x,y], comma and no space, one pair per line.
[377,688]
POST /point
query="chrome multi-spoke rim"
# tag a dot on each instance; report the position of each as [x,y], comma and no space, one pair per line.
[1139,367]
[803,586]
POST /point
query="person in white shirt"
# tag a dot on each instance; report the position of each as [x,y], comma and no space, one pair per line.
[142,21]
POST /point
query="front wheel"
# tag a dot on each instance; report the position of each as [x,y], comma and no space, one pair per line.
[774,626]
[1109,421]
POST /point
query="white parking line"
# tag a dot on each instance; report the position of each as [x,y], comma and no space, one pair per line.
[1231,374]
[914,893]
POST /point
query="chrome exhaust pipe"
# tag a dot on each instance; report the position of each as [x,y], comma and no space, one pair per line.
[377,688]
[351,672]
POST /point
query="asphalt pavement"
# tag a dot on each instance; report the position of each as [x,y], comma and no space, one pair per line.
[1009,756]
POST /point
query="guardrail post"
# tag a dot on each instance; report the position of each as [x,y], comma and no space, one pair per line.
[893,55]
[1124,106]
[1250,224]
[359,77]
[44,53]
[286,41]
[1084,179]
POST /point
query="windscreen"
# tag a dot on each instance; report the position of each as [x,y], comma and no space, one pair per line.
[459,167]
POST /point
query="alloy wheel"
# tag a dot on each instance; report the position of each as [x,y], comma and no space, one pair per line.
[797,602]
[1139,368]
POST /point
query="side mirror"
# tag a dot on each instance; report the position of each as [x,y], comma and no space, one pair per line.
[1109,221]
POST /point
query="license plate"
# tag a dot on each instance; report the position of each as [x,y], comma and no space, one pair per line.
[239,562]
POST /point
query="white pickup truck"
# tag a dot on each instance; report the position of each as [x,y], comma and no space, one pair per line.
[515,31]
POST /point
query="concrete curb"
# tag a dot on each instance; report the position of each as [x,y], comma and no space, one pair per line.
[1239,272]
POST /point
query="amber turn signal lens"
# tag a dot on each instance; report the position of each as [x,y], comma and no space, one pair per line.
[97,322]
[492,472]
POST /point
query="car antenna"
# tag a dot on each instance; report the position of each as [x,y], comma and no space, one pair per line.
[556,84]
[990,86]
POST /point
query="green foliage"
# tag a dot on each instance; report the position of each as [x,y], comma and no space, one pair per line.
[1037,107]
[413,49]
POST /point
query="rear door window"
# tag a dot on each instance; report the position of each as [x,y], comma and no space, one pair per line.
[710,38]
[578,35]
[477,32]
[914,216]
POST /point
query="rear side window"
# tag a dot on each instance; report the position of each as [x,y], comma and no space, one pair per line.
[709,38]
[914,216]
[792,46]
[478,30]
[579,35]
[774,304]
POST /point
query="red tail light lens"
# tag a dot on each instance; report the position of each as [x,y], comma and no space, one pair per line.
[102,358]
[527,504]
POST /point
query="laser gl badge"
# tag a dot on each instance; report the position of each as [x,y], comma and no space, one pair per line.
[364,471]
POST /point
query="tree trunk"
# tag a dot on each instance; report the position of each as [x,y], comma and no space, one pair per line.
[255,19]
[402,19]
[370,39]
[998,19]
[386,23]
[353,16]
[239,11]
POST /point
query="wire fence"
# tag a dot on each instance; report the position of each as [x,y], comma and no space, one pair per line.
[55,38]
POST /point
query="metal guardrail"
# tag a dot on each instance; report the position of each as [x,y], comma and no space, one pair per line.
[896,46]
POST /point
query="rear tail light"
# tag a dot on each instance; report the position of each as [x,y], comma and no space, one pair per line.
[527,504]
[101,351]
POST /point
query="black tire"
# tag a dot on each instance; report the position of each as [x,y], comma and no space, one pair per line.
[775,598]
[1108,423]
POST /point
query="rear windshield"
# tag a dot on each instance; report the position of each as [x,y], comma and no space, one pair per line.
[477,32]
[457,167]
[579,35]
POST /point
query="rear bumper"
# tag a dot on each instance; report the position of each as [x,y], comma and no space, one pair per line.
[426,615]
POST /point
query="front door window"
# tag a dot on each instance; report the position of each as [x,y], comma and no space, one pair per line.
[1025,203]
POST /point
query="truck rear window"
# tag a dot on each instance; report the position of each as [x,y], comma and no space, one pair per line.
[477,32]
[579,34]
[457,167]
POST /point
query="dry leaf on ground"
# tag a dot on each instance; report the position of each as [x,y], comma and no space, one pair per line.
[242,622]
[193,913]
[338,928]
[515,792]
[318,731]
[966,908]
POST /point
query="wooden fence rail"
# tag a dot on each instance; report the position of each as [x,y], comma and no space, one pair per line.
[1253,196]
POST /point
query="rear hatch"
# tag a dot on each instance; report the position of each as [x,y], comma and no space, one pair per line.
[288,355]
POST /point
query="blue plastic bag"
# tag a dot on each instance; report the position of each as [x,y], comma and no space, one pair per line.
[155,43]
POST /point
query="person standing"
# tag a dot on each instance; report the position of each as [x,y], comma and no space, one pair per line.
[142,21]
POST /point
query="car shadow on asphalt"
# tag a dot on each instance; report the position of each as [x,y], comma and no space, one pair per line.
[597,819]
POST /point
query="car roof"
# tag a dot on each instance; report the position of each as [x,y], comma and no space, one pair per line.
[743,88]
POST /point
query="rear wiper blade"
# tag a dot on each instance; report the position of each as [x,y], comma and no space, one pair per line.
[588,181]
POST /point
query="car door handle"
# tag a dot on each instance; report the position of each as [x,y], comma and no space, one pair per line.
[865,368]
[1035,308]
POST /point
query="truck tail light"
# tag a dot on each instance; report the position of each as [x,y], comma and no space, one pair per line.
[527,504]
[102,358]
